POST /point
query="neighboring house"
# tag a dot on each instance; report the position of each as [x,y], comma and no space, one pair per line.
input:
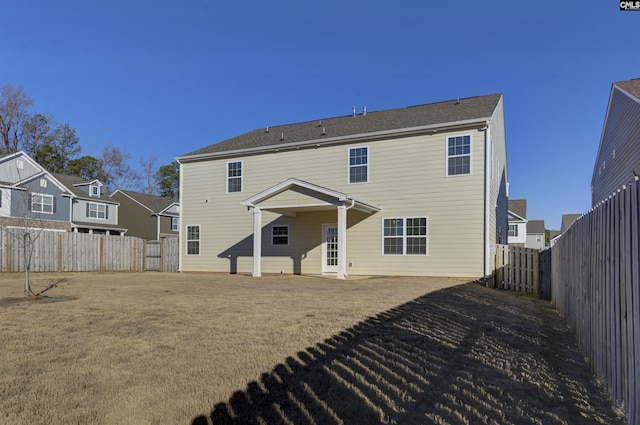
[413,191]
[30,196]
[554,235]
[618,159]
[567,221]
[535,234]
[517,222]
[147,216]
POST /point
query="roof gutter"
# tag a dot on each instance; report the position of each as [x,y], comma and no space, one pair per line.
[314,143]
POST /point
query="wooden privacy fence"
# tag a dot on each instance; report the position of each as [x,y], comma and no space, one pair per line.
[518,268]
[162,255]
[78,252]
[596,286]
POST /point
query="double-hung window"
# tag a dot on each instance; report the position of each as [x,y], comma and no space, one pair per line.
[234,176]
[280,235]
[41,203]
[459,155]
[513,230]
[359,164]
[175,223]
[193,240]
[97,210]
[404,236]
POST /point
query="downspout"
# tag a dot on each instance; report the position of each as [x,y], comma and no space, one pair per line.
[180,233]
[487,200]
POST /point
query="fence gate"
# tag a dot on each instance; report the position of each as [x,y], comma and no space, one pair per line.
[153,256]
[517,268]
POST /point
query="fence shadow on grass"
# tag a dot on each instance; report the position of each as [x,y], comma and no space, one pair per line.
[465,354]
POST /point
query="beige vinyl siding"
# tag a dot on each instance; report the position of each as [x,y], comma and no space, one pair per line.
[407,178]
[622,135]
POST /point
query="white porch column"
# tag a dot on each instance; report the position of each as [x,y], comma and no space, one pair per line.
[342,242]
[257,242]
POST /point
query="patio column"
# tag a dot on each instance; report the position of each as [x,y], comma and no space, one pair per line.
[342,242]
[257,242]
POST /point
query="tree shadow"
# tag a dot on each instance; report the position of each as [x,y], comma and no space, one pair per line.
[462,355]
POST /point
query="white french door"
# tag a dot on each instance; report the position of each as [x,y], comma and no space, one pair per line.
[329,248]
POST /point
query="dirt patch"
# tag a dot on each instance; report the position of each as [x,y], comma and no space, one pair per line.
[4,302]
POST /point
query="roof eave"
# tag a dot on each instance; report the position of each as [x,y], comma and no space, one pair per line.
[341,139]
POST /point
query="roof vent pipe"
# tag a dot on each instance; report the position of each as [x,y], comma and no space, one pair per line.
[267,129]
[282,136]
[364,110]
[323,131]
[353,111]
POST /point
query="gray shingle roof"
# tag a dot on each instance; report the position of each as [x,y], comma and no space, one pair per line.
[518,206]
[535,227]
[631,86]
[154,203]
[567,220]
[388,120]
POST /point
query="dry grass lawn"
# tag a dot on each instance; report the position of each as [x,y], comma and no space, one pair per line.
[230,349]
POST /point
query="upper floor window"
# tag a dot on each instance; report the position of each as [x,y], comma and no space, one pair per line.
[20,164]
[459,155]
[95,190]
[234,176]
[96,210]
[175,223]
[359,164]
[42,203]
[513,230]
[43,182]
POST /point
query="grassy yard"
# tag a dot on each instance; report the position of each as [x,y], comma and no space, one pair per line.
[230,349]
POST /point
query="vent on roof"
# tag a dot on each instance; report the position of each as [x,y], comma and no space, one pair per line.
[364,110]
[323,131]
[282,136]
[353,111]
[267,129]
[458,101]
[320,123]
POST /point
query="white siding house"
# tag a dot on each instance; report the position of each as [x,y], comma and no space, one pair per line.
[411,191]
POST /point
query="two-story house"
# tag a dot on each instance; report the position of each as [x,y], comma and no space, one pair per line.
[147,216]
[517,222]
[536,234]
[30,196]
[618,159]
[412,191]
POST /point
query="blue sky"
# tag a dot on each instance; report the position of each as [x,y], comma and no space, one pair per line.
[165,77]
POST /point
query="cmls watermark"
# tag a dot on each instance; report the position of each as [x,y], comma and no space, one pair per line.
[630,5]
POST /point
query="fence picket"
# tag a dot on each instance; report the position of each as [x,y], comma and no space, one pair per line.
[595,278]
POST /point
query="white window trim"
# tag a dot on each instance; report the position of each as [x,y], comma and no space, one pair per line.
[404,236]
[446,155]
[226,170]
[175,220]
[43,195]
[349,164]
[92,188]
[43,182]
[187,240]
[273,236]
[97,217]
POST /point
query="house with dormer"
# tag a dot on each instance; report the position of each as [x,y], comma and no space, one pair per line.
[416,191]
[30,196]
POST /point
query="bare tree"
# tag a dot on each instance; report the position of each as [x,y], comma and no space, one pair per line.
[149,175]
[14,103]
[116,172]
